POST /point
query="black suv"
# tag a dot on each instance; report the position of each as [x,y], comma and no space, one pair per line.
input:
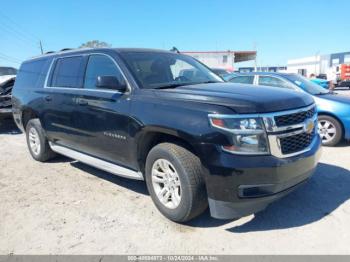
[194,139]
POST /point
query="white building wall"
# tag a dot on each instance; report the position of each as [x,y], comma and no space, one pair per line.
[318,64]
[223,60]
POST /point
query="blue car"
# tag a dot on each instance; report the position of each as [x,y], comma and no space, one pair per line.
[322,82]
[333,109]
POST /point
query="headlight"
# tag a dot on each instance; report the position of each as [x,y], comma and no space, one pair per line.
[247,134]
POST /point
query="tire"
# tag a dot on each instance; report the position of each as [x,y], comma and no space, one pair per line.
[36,136]
[330,130]
[193,198]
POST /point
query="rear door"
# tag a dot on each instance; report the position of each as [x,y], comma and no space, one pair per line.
[103,114]
[61,93]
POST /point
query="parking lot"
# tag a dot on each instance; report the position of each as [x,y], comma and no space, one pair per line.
[66,207]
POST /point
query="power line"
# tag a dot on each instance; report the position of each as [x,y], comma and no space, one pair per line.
[10,58]
[18,32]
[20,28]
[20,39]
[12,30]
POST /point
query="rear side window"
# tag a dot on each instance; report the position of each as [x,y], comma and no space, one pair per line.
[100,65]
[243,80]
[68,72]
[31,74]
[273,81]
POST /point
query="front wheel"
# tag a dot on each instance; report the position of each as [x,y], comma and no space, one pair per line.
[175,182]
[330,130]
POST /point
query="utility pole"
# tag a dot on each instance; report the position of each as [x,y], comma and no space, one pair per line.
[41,47]
[256,54]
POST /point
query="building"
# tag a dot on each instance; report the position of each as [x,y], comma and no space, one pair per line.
[318,64]
[222,59]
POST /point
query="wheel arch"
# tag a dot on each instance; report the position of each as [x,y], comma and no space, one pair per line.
[28,114]
[149,139]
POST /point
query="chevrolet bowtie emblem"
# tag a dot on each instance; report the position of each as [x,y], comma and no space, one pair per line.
[309,126]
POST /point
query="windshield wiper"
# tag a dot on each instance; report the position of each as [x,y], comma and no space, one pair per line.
[321,93]
[171,86]
[207,82]
[174,85]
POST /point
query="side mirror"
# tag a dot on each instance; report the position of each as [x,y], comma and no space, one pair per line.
[110,82]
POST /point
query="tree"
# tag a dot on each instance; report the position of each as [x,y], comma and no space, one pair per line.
[94,44]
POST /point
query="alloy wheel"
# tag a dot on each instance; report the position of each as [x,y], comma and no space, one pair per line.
[34,141]
[166,183]
[327,130]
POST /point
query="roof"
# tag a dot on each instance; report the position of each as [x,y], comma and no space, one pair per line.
[240,56]
[84,50]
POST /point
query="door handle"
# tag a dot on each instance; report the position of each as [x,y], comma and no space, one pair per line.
[82,102]
[48,98]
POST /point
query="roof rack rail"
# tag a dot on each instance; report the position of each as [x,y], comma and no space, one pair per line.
[49,52]
[66,49]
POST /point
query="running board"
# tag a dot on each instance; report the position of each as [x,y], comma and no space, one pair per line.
[95,162]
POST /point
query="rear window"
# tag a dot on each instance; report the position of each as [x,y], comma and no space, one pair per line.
[273,81]
[243,79]
[68,72]
[31,73]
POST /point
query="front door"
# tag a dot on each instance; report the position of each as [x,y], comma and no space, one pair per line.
[103,117]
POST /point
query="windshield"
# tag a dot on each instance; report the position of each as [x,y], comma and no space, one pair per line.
[306,84]
[161,70]
[7,71]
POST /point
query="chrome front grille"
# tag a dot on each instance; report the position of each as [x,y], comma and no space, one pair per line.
[295,118]
[291,132]
[296,143]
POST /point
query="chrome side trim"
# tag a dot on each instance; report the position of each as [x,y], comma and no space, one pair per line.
[95,162]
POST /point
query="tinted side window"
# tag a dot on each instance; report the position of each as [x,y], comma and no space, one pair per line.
[273,81]
[243,80]
[30,73]
[67,72]
[100,65]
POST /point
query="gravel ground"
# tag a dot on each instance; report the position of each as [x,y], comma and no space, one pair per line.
[66,207]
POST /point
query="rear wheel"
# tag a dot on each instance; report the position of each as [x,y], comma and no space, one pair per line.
[175,183]
[37,142]
[330,130]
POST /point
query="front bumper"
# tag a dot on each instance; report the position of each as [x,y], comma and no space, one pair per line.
[241,185]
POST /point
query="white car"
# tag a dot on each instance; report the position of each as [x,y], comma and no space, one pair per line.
[7,80]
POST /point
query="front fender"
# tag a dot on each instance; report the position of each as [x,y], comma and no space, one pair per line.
[184,120]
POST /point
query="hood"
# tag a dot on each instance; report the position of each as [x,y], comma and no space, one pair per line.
[335,97]
[241,98]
